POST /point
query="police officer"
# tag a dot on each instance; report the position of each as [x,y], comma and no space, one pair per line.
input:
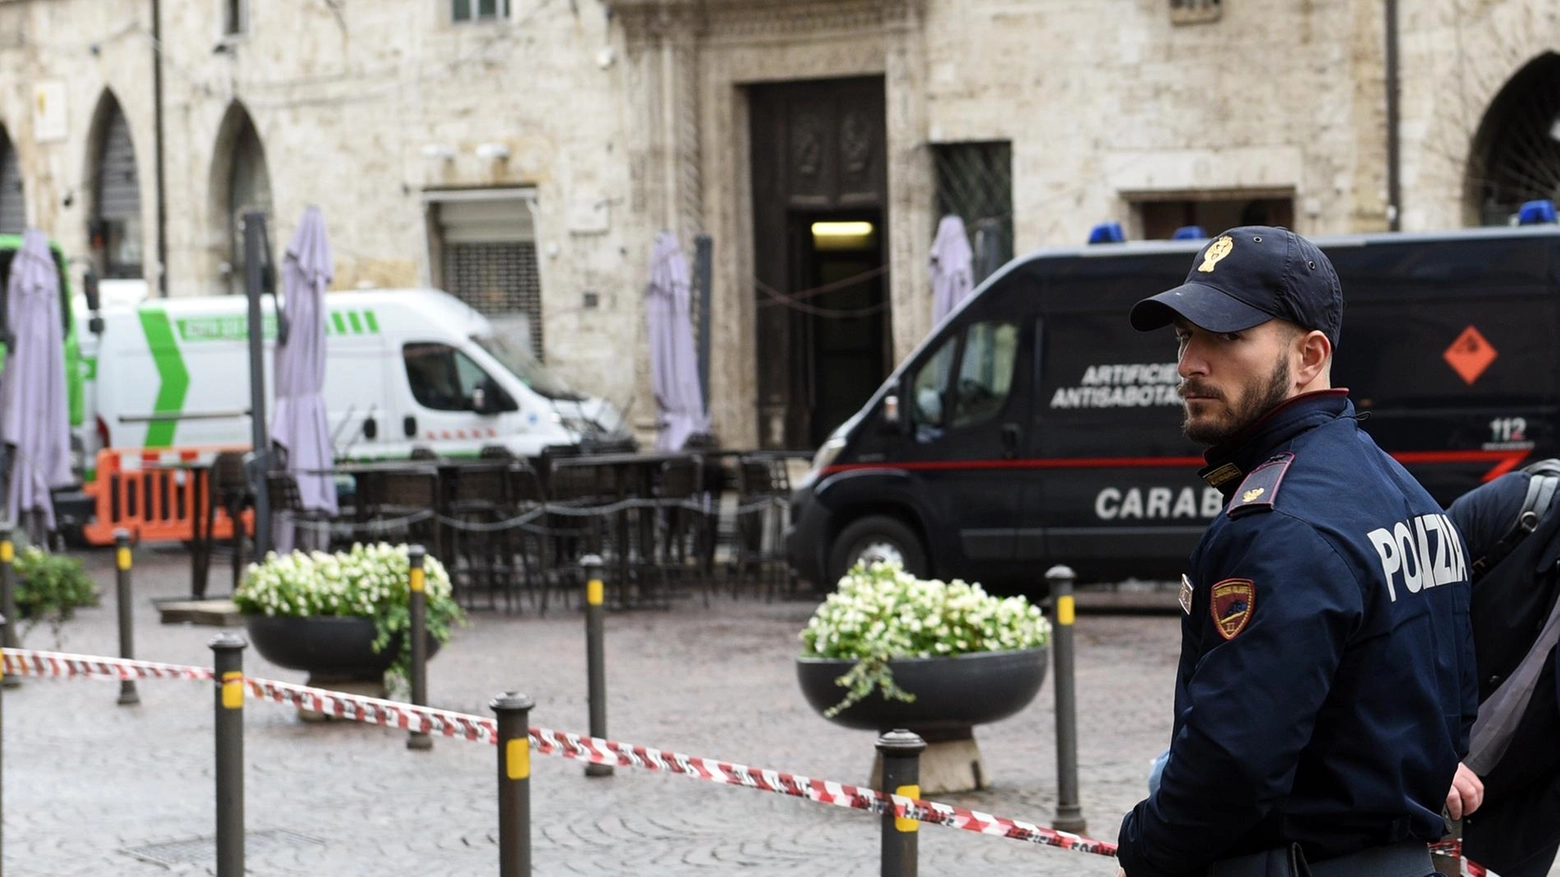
[1326,683]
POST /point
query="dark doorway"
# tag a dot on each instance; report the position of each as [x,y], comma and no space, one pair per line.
[842,314]
[822,329]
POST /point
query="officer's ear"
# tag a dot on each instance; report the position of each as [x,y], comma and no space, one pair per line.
[1314,354]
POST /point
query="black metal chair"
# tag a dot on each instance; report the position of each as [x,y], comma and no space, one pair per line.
[403,503]
[229,488]
[763,493]
[482,554]
[684,523]
[531,540]
[574,526]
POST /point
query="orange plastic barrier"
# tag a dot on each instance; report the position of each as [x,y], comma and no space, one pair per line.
[155,494]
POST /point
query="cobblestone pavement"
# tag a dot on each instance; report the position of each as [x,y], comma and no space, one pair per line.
[93,788]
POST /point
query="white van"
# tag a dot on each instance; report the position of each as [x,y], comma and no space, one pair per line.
[404,368]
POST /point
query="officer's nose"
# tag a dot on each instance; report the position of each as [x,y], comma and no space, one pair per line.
[1192,361]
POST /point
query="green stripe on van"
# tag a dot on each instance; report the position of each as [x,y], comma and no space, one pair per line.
[338,322]
[174,376]
[357,325]
[373,324]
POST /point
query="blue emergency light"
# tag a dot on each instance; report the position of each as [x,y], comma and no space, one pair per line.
[1107,233]
[1188,233]
[1536,212]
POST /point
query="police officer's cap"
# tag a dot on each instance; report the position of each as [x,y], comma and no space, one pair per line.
[1247,276]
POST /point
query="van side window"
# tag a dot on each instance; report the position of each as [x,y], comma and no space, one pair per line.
[985,372]
[931,383]
[441,377]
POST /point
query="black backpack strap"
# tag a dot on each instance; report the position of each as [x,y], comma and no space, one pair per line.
[1543,481]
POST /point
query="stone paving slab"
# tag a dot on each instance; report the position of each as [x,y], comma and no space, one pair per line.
[87,781]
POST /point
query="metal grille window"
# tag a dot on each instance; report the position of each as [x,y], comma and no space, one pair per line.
[487,255]
[478,10]
[13,209]
[497,279]
[975,181]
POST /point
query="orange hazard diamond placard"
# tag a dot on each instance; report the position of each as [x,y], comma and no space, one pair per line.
[1470,355]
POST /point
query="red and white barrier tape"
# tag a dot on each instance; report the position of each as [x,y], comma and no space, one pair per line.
[377,711]
[595,749]
[28,662]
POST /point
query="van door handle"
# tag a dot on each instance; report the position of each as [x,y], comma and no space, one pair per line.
[409,426]
[1010,436]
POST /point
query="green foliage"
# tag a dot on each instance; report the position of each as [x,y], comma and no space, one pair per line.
[50,587]
[881,612]
[372,581]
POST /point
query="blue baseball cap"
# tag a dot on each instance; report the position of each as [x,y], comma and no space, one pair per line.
[1247,276]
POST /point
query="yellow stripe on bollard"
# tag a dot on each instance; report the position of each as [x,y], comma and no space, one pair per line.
[7,551]
[517,758]
[233,690]
[122,558]
[593,592]
[417,578]
[1064,610]
[905,823]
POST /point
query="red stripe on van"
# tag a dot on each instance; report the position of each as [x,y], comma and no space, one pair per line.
[1504,462]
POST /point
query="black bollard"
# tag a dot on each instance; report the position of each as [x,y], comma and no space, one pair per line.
[514,783]
[127,692]
[8,597]
[419,634]
[595,656]
[901,752]
[229,666]
[1069,813]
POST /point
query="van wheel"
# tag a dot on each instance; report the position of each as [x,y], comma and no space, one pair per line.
[876,538]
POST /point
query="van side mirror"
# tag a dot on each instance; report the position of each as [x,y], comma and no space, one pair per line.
[89,288]
[489,398]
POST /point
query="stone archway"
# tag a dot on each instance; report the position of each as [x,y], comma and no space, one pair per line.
[114,230]
[1516,150]
[240,182]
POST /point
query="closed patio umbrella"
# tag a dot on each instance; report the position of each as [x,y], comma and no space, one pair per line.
[674,366]
[34,419]
[952,277]
[300,424]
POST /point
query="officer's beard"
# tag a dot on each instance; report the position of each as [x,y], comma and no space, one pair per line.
[1219,426]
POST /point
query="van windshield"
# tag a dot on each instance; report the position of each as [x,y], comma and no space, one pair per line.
[513,351]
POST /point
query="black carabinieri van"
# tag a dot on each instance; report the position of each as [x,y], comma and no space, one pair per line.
[1034,426]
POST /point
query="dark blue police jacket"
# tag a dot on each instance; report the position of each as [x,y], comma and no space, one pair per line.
[1326,686]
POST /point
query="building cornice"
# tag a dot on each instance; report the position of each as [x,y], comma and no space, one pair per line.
[644,20]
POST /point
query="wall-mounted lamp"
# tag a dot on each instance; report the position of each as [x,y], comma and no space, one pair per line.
[492,151]
[438,152]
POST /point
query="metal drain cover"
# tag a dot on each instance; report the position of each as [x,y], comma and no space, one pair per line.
[203,850]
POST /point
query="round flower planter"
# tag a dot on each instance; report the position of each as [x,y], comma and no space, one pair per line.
[952,694]
[326,647]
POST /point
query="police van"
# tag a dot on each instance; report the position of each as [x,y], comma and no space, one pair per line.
[1034,426]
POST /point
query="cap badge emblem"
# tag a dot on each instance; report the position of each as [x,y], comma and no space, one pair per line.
[1252,494]
[1216,251]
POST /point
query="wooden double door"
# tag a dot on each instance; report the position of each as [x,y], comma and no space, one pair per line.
[820,224]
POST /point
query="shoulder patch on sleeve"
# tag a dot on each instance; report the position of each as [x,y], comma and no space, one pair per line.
[1232,603]
[1260,489]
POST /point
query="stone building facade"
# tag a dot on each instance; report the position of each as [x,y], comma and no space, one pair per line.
[524,153]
